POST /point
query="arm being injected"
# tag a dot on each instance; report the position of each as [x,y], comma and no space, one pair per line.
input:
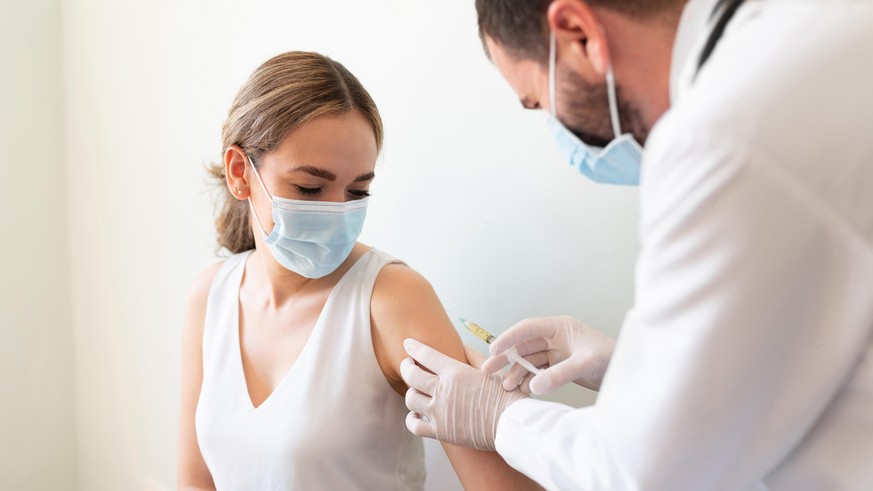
[484,335]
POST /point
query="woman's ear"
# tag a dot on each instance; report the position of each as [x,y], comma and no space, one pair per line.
[580,38]
[235,163]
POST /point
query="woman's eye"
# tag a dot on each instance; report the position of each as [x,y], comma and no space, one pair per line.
[359,193]
[308,191]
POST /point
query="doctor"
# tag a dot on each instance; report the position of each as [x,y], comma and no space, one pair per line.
[746,362]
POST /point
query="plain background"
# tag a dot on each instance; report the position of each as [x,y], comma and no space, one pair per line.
[111,111]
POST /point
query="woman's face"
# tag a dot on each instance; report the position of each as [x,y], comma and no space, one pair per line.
[331,158]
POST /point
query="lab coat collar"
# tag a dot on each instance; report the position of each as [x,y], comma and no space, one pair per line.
[694,27]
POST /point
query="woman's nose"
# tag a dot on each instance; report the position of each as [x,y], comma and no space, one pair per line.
[337,195]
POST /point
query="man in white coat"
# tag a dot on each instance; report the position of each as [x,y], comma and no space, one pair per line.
[747,360]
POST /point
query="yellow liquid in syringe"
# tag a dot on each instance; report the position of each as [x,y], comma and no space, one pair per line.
[486,336]
[478,331]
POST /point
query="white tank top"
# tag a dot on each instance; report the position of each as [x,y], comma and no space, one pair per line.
[332,423]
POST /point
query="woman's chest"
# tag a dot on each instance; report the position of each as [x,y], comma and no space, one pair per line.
[271,343]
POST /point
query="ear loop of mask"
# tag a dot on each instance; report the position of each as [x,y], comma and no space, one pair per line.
[613,101]
[553,108]
[251,206]
[610,88]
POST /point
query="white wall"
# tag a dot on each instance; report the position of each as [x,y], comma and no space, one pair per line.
[470,190]
[37,431]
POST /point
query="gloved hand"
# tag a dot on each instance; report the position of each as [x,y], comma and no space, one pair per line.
[566,349]
[457,403]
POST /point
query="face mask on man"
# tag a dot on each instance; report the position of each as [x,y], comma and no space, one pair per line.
[618,162]
[311,238]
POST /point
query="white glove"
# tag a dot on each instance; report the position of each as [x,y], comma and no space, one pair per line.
[457,403]
[566,349]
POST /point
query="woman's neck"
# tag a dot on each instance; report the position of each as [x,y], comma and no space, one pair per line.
[279,283]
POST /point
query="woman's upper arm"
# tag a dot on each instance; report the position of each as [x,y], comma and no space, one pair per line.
[192,470]
[404,306]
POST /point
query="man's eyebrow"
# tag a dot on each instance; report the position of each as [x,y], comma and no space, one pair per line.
[365,177]
[315,171]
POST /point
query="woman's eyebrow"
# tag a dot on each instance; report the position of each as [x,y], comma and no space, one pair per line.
[315,171]
[365,177]
[330,176]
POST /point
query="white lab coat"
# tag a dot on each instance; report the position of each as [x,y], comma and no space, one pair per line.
[747,360]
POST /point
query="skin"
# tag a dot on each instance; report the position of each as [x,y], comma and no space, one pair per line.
[588,40]
[328,159]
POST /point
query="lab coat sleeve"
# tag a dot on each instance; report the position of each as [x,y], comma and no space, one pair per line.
[733,348]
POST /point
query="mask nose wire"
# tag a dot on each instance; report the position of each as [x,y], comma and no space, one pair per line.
[251,206]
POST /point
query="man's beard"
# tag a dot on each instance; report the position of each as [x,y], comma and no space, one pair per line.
[585,111]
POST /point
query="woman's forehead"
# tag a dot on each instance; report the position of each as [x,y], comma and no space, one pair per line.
[343,145]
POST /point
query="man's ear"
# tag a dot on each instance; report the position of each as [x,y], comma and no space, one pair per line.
[235,164]
[579,36]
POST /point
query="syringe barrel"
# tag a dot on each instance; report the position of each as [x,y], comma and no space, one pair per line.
[479,332]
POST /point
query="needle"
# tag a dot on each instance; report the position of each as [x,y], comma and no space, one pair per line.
[484,335]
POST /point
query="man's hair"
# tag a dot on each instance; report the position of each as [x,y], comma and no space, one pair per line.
[521,27]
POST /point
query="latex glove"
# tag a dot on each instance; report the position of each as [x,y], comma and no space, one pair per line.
[565,349]
[457,403]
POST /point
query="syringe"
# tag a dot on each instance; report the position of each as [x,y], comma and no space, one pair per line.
[486,336]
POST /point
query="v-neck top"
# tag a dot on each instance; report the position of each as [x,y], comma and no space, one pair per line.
[333,422]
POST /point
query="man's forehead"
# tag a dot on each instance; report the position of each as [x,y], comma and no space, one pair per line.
[523,75]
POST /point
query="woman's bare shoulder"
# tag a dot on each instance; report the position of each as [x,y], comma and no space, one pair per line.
[397,284]
[405,305]
[203,282]
[401,293]
[198,293]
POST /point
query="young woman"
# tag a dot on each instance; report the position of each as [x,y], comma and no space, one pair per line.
[292,346]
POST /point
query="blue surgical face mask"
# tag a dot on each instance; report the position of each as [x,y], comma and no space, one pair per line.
[618,162]
[312,238]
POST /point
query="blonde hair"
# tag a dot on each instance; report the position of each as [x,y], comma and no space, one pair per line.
[284,93]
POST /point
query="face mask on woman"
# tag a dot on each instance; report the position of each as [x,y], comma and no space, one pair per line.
[311,238]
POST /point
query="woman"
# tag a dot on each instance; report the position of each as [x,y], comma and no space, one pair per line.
[292,346]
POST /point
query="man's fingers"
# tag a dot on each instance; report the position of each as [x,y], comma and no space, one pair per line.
[494,364]
[517,373]
[525,383]
[418,427]
[428,357]
[523,331]
[514,377]
[534,345]
[417,378]
[541,384]
[557,375]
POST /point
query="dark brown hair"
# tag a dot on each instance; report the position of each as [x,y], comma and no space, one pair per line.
[521,27]
[284,93]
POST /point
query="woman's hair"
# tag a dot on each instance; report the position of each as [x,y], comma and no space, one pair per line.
[284,93]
